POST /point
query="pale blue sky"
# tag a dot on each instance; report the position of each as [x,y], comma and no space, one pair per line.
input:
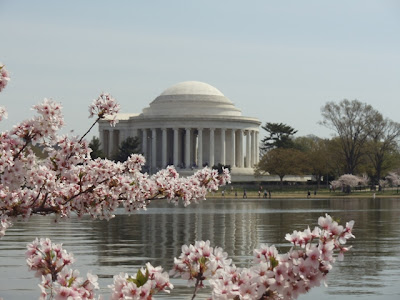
[279,61]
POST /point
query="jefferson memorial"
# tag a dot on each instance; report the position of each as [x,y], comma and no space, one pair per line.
[189,125]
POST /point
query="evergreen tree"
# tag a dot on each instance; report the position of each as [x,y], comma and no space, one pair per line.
[95,146]
[280,136]
[130,146]
[220,166]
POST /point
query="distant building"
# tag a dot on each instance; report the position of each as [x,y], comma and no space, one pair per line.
[190,125]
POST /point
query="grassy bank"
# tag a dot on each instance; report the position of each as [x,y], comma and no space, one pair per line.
[301,194]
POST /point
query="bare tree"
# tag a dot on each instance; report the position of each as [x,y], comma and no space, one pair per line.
[353,122]
[317,151]
[382,143]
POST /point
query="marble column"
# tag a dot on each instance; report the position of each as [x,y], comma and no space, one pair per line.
[101,137]
[248,152]
[111,143]
[253,148]
[257,149]
[223,147]
[144,144]
[240,148]
[233,148]
[211,147]
[121,136]
[200,147]
[176,151]
[187,147]
[164,147]
[154,149]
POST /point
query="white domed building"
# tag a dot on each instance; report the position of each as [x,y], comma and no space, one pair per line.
[190,125]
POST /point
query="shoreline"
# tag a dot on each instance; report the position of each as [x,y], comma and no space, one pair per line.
[303,195]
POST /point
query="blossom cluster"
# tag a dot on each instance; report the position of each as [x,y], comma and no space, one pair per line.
[273,275]
[51,262]
[148,282]
[67,181]
[105,106]
[44,125]
[4,78]
[198,262]
[3,113]
[4,224]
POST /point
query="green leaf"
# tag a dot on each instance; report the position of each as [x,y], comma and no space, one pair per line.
[141,279]
[273,261]
[71,281]
[202,260]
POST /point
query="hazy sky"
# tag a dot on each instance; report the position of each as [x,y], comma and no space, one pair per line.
[279,61]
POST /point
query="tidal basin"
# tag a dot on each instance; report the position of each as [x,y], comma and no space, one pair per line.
[371,270]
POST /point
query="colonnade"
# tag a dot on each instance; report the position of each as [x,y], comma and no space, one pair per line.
[188,148]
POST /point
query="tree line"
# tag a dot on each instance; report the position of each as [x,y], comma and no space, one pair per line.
[364,142]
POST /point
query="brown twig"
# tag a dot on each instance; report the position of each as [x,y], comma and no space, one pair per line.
[80,140]
[196,287]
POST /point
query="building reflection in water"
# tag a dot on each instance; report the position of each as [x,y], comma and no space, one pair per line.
[126,243]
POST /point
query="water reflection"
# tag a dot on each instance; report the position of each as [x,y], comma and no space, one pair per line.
[372,269]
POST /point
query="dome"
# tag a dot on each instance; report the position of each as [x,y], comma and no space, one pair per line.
[192,88]
[191,98]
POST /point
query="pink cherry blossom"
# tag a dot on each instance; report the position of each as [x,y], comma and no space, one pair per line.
[128,287]
[3,113]
[273,275]
[4,78]
[51,262]
[105,106]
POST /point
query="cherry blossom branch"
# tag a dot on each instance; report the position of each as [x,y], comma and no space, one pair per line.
[272,276]
[68,181]
[27,142]
[197,284]
[4,78]
[87,132]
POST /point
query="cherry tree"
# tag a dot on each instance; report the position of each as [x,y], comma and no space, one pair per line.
[392,179]
[347,181]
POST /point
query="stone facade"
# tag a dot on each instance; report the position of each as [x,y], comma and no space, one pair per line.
[190,125]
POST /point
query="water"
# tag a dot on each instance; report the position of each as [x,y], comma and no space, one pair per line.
[370,271]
